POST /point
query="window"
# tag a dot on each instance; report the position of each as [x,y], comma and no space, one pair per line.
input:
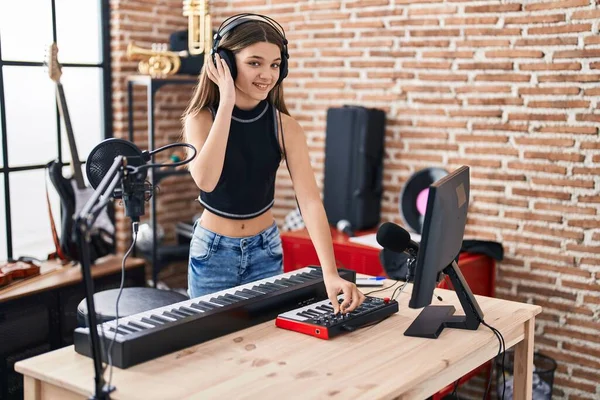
[32,131]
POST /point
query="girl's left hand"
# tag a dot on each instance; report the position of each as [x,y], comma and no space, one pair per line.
[352,296]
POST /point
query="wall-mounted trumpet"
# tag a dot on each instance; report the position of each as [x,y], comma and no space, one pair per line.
[157,62]
[199,26]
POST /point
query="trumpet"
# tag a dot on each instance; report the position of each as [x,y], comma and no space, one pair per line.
[199,26]
[157,62]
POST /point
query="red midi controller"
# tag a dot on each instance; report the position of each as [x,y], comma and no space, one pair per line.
[318,319]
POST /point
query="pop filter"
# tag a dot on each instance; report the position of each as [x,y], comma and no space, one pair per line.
[103,155]
[413,198]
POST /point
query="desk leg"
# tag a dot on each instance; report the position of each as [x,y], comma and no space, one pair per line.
[523,372]
[32,388]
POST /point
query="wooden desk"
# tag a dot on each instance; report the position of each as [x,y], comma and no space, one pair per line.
[377,362]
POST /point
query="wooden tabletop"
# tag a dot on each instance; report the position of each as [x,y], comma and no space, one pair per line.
[267,362]
[54,275]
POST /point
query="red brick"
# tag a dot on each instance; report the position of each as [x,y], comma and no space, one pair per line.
[559,104]
[556,4]
[493,8]
[553,30]
[559,41]
[533,19]
[573,66]
[503,77]
[486,65]
[578,130]
[437,10]
[471,21]
[586,53]
[536,117]
[572,157]
[586,14]
[550,169]
[514,54]
[492,31]
[540,141]
[549,90]
[434,32]
[542,194]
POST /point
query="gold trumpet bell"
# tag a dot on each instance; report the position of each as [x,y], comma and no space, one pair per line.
[158,62]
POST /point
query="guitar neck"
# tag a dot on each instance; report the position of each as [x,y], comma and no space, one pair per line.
[75,162]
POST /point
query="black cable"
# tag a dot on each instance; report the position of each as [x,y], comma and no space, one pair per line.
[501,350]
[134,227]
[175,164]
[382,289]
[455,391]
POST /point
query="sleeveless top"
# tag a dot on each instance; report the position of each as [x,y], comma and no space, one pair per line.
[246,188]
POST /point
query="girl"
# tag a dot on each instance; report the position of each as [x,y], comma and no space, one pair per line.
[238,121]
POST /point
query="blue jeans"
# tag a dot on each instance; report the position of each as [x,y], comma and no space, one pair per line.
[220,262]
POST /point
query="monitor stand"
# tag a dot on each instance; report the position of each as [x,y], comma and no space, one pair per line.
[433,319]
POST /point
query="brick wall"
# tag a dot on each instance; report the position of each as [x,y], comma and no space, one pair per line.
[507,87]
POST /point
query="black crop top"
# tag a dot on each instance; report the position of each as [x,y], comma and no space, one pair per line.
[246,188]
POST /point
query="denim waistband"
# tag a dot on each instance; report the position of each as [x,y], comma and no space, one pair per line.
[260,239]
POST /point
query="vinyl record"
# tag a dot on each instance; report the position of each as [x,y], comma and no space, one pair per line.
[413,198]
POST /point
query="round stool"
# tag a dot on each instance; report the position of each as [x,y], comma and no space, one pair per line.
[133,300]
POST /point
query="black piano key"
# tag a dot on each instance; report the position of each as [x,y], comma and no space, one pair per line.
[138,325]
[200,307]
[119,330]
[327,307]
[128,328]
[324,308]
[239,293]
[172,315]
[274,286]
[284,282]
[313,313]
[251,292]
[233,297]
[307,276]
[295,281]
[182,314]
[316,271]
[207,304]
[304,314]
[265,288]
[222,302]
[189,310]
[151,322]
[160,319]
[298,278]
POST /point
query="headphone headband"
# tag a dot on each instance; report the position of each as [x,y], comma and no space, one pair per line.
[236,20]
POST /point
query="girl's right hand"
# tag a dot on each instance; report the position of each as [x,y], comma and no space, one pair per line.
[221,76]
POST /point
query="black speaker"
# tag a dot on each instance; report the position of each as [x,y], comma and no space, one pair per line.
[354,149]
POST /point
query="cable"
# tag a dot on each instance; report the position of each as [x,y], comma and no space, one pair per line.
[501,350]
[134,226]
[175,164]
[455,391]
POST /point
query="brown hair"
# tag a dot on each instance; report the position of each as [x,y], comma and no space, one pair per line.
[206,93]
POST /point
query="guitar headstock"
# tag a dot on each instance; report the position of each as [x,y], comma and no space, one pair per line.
[54,69]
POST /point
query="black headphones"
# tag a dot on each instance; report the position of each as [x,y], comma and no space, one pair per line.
[236,20]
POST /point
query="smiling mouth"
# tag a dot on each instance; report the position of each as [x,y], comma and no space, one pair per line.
[261,86]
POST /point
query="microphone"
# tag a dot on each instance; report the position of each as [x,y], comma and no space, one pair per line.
[133,186]
[399,253]
[395,238]
[345,226]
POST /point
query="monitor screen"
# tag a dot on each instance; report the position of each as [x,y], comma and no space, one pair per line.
[442,234]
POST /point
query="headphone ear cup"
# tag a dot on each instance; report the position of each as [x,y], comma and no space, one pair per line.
[283,69]
[229,58]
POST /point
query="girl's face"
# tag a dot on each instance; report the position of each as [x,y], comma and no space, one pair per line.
[257,72]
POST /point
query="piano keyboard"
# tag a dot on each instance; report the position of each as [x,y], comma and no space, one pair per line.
[154,333]
[319,320]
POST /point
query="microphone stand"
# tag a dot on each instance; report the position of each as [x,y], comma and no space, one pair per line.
[83,224]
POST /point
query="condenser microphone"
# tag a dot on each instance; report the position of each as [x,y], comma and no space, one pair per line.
[345,226]
[133,186]
[395,238]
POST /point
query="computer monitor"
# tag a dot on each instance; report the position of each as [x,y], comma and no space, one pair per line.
[441,241]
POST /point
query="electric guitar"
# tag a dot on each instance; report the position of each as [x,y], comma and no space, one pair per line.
[73,191]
